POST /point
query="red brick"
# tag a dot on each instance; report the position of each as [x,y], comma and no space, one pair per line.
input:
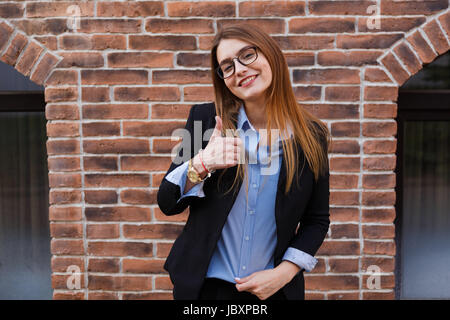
[395,7]
[326,76]
[331,282]
[376,75]
[345,129]
[115,111]
[380,111]
[351,93]
[109,265]
[61,94]
[110,26]
[135,196]
[408,58]
[130,9]
[29,57]
[108,163]
[378,231]
[386,198]
[380,146]
[144,163]
[179,26]
[333,111]
[201,9]
[372,41]
[67,247]
[63,77]
[421,46]
[152,128]
[344,198]
[307,42]
[111,77]
[43,69]
[340,7]
[152,231]
[343,181]
[270,25]
[351,58]
[103,231]
[121,213]
[346,164]
[61,112]
[116,180]
[169,42]
[345,146]
[66,230]
[140,60]
[64,197]
[317,25]
[378,215]
[436,37]
[15,49]
[64,180]
[379,129]
[82,60]
[378,181]
[59,9]
[11,10]
[380,93]
[132,146]
[100,196]
[404,24]
[96,129]
[181,76]
[120,248]
[379,163]
[147,94]
[65,213]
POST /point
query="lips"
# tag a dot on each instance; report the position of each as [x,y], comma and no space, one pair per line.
[253,75]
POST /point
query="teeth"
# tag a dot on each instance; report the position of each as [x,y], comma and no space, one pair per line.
[248,80]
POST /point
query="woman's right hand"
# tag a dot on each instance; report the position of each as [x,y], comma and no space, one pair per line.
[221,152]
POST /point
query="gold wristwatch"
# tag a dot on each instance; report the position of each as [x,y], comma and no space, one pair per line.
[193,175]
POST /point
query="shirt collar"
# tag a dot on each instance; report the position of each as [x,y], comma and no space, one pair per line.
[244,124]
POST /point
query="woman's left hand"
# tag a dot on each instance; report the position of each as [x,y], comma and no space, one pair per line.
[265,283]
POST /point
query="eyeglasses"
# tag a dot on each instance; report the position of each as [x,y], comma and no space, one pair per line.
[247,56]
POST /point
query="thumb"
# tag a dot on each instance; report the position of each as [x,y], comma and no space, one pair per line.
[218,128]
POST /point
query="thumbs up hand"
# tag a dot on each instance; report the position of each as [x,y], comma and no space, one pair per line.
[222,152]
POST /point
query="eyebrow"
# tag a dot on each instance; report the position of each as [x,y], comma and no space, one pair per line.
[239,52]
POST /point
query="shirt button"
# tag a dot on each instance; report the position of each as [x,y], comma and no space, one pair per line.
[255,185]
[247,238]
[251,212]
[244,267]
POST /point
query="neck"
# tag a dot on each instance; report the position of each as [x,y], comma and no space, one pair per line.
[256,114]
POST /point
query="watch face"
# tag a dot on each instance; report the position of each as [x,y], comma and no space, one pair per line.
[192,176]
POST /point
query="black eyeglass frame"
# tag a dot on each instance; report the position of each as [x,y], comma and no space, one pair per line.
[218,69]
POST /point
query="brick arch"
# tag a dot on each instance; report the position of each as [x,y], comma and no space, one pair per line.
[423,45]
[39,63]
[28,56]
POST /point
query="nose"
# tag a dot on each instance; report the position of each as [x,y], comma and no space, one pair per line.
[239,67]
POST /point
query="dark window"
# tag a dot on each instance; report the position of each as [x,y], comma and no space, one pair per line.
[25,258]
[423,185]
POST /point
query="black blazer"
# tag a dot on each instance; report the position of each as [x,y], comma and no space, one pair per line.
[190,255]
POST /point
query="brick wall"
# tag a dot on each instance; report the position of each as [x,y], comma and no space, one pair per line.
[120,76]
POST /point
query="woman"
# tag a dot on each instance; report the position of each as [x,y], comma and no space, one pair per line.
[247,244]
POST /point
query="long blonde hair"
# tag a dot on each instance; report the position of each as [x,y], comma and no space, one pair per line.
[282,109]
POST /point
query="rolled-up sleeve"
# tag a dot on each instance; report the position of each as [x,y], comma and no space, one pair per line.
[178,176]
[300,258]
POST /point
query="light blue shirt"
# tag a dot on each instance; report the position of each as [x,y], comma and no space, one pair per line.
[248,238]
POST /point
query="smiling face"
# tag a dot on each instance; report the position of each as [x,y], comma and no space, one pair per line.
[253,91]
